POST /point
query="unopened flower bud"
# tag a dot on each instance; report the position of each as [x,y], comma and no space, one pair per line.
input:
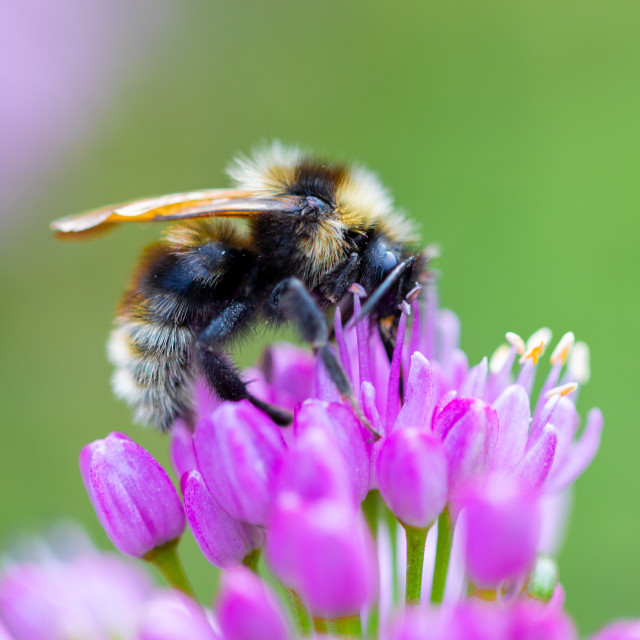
[238,450]
[468,429]
[173,616]
[503,525]
[412,476]
[324,551]
[132,494]
[223,540]
[247,609]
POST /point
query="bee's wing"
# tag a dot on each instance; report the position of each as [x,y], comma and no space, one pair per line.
[175,206]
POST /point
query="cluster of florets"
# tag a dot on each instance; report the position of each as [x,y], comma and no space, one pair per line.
[444,527]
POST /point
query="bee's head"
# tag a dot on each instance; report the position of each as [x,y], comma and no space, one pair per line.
[392,273]
[347,209]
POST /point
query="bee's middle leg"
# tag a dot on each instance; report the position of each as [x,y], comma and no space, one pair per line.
[291,301]
[218,368]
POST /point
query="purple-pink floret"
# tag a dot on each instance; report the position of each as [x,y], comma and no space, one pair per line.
[132,495]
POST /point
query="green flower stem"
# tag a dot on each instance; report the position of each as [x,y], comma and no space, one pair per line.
[300,614]
[322,625]
[252,559]
[392,525]
[443,555]
[370,509]
[489,595]
[416,539]
[373,621]
[165,558]
[350,627]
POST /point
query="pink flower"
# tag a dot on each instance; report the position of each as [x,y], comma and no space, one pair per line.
[412,476]
[238,450]
[620,630]
[477,620]
[286,376]
[171,615]
[468,429]
[88,595]
[317,541]
[346,432]
[223,540]
[324,551]
[314,469]
[502,530]
[181,451]
[133,496]
[247,609]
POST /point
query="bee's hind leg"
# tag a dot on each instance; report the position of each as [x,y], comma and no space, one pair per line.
[218,368]
[291,301]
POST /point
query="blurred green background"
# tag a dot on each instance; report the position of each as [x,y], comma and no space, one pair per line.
[510,131]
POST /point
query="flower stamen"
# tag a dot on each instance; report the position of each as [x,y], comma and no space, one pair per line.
[536,345]
[562,390]
[515,341]
[561,352]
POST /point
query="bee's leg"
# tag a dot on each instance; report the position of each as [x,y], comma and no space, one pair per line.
[291,301]
[219,370]
[340,281]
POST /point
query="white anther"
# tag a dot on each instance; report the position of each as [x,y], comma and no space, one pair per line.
[406,307]
[562,390]
[536,345]
[515,341]
[541,335]
[561,352]
[498,358]
[578,367]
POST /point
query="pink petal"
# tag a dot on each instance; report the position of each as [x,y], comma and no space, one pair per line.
[412,476]
[419,400]
[503,523]
[316,469]
[325,552]
[223,540]
[393,399]
[580,455]
[181,452]
[514,416]
[238,450]
[247,609]
[346,432]
[172,616]
[534,468]
[325,387]
[475,384]
[132,494]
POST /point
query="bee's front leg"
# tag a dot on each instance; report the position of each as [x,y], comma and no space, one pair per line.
[291,301]
[218,368]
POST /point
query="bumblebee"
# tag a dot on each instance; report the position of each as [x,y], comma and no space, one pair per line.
[283,245]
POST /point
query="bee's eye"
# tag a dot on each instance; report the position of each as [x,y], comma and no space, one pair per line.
[389,263]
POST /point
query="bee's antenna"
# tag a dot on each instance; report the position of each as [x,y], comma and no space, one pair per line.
[377,295]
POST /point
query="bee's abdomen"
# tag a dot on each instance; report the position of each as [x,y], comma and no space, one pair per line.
[154,370]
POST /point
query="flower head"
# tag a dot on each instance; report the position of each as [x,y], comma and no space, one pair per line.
[71,591]
[471,448]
